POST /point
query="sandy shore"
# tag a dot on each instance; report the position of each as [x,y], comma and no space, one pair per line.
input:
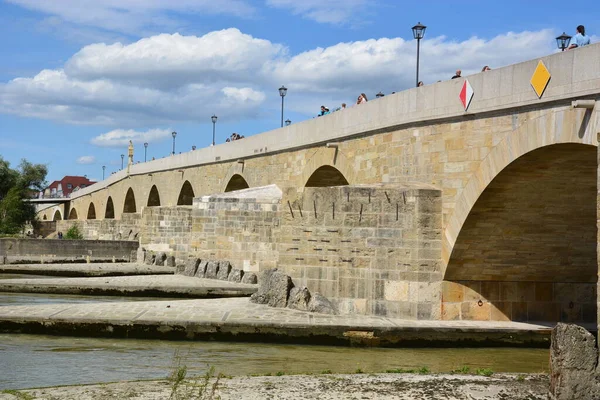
[300,387]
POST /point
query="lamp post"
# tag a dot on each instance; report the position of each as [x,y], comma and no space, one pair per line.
[563,41]
[214,121]
[193,147]
[122,158]
[418,33]
[103,169]
[174,134]
[379,95]
[282,93]
[145,150]
[288,122]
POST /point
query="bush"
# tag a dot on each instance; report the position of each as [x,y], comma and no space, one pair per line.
[74,233]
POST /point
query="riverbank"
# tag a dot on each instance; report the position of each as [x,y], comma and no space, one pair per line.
[322,387]
[86,269]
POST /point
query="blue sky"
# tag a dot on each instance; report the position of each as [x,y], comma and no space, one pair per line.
[79,78]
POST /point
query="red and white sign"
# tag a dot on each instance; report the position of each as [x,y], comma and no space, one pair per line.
[466,94]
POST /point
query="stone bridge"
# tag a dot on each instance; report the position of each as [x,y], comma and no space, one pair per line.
[409,205]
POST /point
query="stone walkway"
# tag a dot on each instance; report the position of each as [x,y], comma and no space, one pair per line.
[139,285]
[84,269]
[239,319]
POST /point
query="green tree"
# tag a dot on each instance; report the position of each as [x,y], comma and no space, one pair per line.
[17,185]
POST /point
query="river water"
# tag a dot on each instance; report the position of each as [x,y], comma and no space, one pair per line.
[37,361]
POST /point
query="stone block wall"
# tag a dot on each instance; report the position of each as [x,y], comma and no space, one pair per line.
[371,250]
[167,229]
[519,301]
[126,228]
[241,230]
[48,251]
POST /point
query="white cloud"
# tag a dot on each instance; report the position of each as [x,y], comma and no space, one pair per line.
[86,160]
[168,79]
[121,137]
[330,11]
[134,16]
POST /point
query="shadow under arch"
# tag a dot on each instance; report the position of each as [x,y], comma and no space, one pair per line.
[153,197]
[57,216]
[237,182]
[91,214]
[186,195]
[129,204]
[527,249]
[73,214]
[326,176]
[110,209]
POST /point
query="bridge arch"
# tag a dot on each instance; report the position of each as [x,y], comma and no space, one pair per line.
[186,194]
[325,176]
[328,157]
[533,134]
[153,197]
[57,216]
[91,214]
[73,214]
[129,203]
[237,182]
[110,209]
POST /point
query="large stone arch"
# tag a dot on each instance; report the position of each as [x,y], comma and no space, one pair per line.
[236,182]
[186,194]
[521,242]
[332,157]
[129,203]
[547,129]
[110,209]
[326,176]
[91,214]
[57,216]
[153,197]
[73,213]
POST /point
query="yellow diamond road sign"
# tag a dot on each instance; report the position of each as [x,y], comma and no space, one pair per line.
[540,79]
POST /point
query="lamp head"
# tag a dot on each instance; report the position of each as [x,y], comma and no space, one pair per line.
[418,31]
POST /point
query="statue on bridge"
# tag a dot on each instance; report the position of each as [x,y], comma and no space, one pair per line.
[130,153]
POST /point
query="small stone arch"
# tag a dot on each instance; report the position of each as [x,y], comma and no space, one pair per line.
[110,209]
[153,197]
[331,157]
[186,195]
[73,214]
[129,204]
[57,216]
[326,176]
[237,182]
[91,214]
[45,218]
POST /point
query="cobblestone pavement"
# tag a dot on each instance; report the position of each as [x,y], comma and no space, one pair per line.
[84,269]
[146,285]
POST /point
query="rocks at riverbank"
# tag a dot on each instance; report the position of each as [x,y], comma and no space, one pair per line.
[277,290]
[323,387]
[215,269]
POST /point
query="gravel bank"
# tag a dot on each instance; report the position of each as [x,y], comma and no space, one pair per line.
[302,387]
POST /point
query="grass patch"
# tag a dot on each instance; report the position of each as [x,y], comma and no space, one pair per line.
[484,371]
[462,370]
[326,371]
[202,388]
[18,395]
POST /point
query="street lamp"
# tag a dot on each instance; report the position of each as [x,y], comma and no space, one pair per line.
[122,157]
[103,168]
[418,33]
[214,121]
[288,122]
[563,41]
[145,150]
[193,147]
[379,95]
[282,93]
[174,134]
